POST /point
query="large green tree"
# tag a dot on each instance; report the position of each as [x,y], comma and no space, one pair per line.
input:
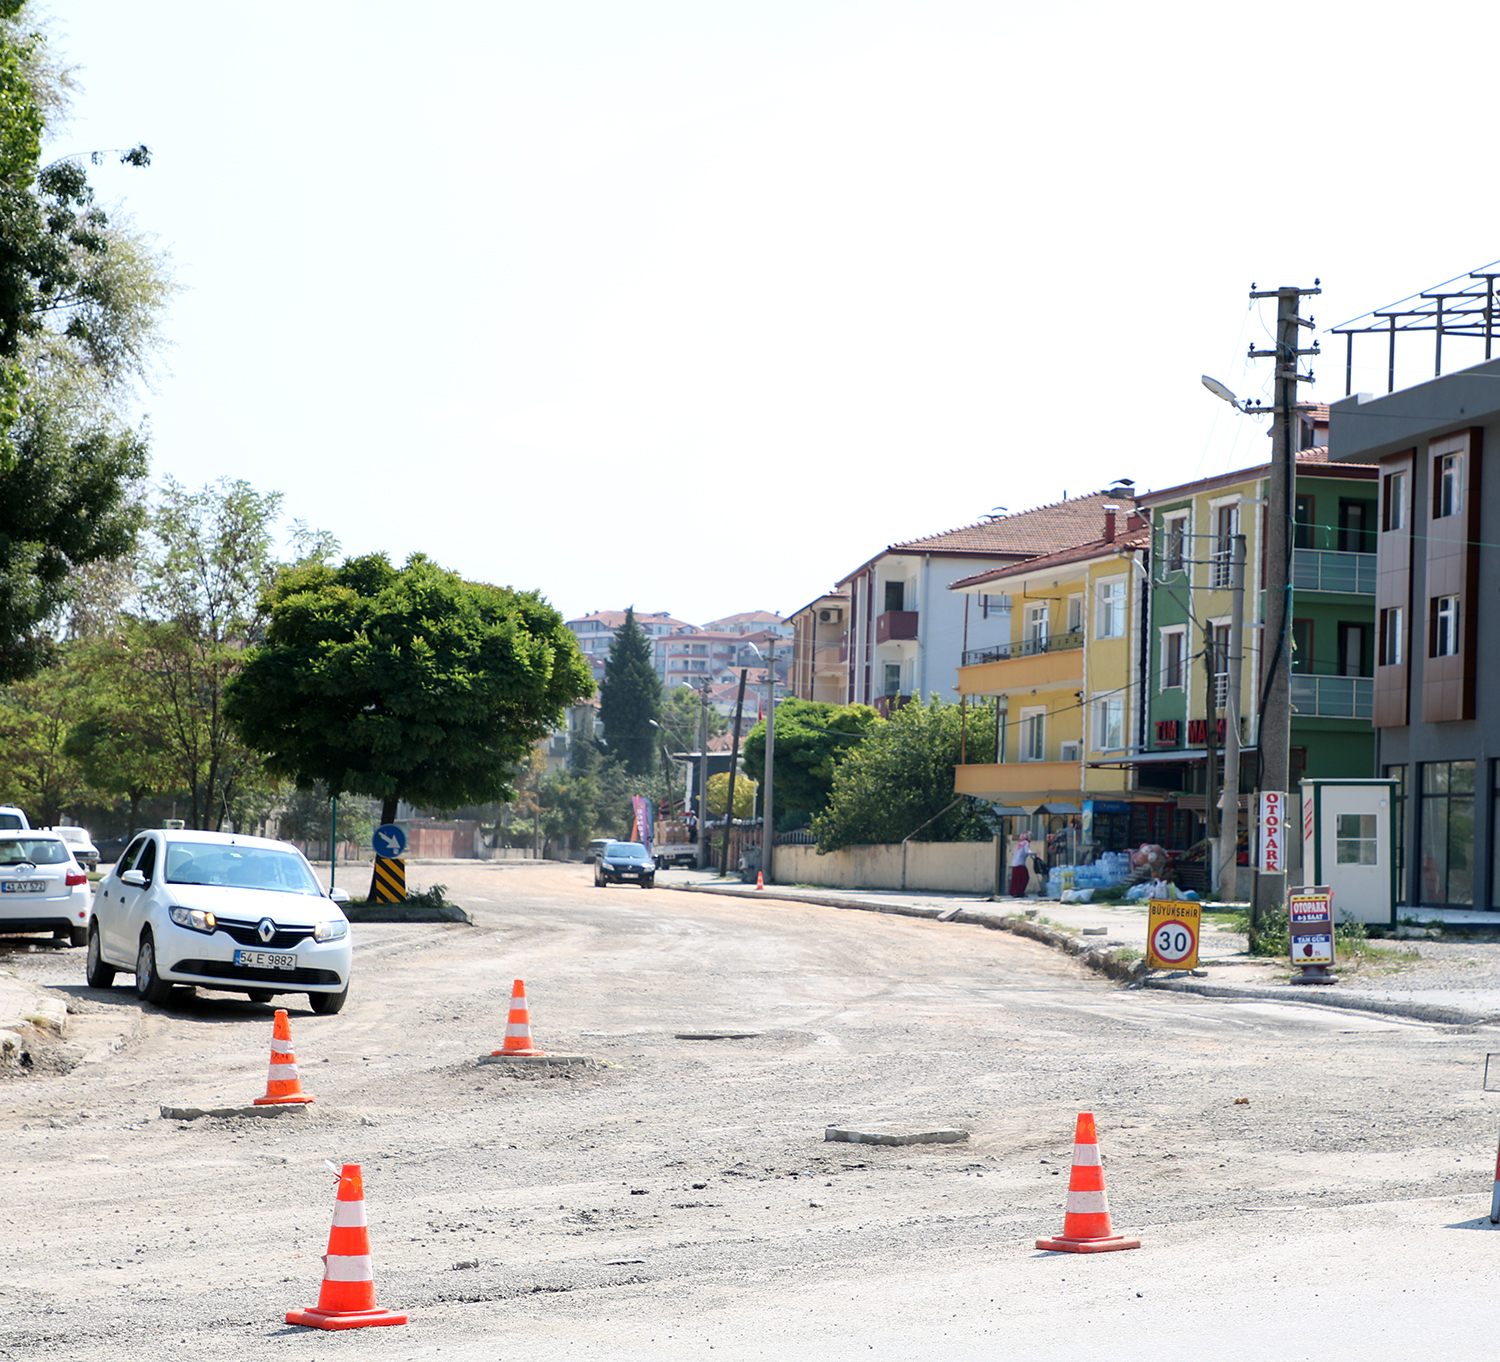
[404,683]
[898,782]
[630,698]
[80,299]
[812,738]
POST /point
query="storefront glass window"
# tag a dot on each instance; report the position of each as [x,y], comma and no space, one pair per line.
[1447,833]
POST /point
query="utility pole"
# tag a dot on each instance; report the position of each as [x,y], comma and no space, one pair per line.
[734,761]
[1229,815]
[1274,728]
[768,805]
[703,860]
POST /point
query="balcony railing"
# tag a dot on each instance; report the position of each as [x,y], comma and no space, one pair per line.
[1028,647]
[1327,570]
[1332,697]
[895,626]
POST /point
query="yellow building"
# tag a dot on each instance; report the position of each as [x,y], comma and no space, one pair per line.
[1064,673]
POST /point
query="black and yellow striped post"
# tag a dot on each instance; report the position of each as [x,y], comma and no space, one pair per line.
[390,879]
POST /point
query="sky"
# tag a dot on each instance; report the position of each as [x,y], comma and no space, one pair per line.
[696,305]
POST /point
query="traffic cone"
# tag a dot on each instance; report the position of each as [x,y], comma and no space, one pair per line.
[283,1086]
[760,880]
[518,1027]
[1086,1227]
[347,1300]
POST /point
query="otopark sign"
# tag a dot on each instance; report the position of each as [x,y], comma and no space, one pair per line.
[1272,847]
[1172,929]
[1309,915]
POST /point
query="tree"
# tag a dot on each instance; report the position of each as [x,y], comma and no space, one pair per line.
[812,738]
[898,782]
[682,711]
[80,300]
[36,718]
[630,698]
[744,795]
[404,684]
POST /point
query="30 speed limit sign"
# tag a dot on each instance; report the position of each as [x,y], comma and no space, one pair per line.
[1172,940]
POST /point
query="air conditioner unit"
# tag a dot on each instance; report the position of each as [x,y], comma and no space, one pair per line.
[1069,751]
[829,616]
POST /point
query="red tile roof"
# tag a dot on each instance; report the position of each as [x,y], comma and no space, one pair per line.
[1079,553]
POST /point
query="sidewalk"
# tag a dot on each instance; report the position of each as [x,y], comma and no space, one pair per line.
[1453,983]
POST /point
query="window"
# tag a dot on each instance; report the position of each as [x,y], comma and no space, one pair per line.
[1173,658]
[1393,497]
[1221,666]
[1352,650]
[1444,642]
[1446,853]
[1446,489]
[1109,618]
[1354,520]
[895,596]
[1036,626]
[1174,541]
[1033,734]
[1226,526]
[892,678]
[1392,636]
[990,604]
[1075,614]
[1302,645]
[1110,718]
[1354,839]
[1302,522]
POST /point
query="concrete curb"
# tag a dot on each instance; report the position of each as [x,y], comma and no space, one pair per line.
[1123,964]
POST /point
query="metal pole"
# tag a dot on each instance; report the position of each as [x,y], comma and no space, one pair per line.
[1274,729]
[333,845]
[734,761]
[703,778]
[1229,816]
[768,828]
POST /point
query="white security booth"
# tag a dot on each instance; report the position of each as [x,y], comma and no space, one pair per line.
[1349,844]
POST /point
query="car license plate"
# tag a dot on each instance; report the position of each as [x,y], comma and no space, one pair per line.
[265,960]
[23,886]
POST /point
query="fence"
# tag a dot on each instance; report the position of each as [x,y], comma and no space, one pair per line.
[934,867]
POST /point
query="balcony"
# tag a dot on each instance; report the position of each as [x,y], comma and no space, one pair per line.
[1326,570]
[895,626]
[1029,647]
[1332,697]
[886,705]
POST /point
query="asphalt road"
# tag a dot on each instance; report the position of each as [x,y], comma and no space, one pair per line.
[1305,1182]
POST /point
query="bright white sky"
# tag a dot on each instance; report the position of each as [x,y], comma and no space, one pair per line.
[698,304]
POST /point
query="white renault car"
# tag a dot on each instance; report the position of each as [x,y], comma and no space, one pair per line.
[42,888]
[238,914]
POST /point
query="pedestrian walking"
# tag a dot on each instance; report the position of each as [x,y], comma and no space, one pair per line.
[1020,871]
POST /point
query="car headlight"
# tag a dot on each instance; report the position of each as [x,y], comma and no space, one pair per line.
[334,930]
[194,919]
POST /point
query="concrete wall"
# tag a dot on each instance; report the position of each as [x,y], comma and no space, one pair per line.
[938,867]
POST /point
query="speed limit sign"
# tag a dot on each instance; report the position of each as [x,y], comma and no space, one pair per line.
[1172,940]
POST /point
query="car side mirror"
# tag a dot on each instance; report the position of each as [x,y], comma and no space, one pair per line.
[133,877]
[339,896]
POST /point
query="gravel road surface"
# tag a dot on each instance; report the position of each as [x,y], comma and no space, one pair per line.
[1306,1182]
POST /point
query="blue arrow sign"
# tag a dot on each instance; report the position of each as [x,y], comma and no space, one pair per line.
[389,840]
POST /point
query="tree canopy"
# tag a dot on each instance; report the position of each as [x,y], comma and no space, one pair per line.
[812,738]
[630,698]
[898,782]
[406,683]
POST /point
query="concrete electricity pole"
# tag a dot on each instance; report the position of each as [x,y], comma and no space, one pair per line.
[1229,816]
[1274,728]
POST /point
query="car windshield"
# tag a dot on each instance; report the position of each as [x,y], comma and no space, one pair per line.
[240,867]
[36,850]
[624,849]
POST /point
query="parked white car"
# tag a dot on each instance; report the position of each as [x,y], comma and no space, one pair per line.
[80,843]
[42,888]
[222,911]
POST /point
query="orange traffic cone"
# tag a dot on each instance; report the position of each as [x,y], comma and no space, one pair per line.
[347,1300]
[1086,1227]
[283,1086]
[518,1027]
[760,880]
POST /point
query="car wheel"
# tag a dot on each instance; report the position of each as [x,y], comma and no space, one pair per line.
[150,987]
[259,995]
[78,936]
[649,882]
[326,1004]
[96,971]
